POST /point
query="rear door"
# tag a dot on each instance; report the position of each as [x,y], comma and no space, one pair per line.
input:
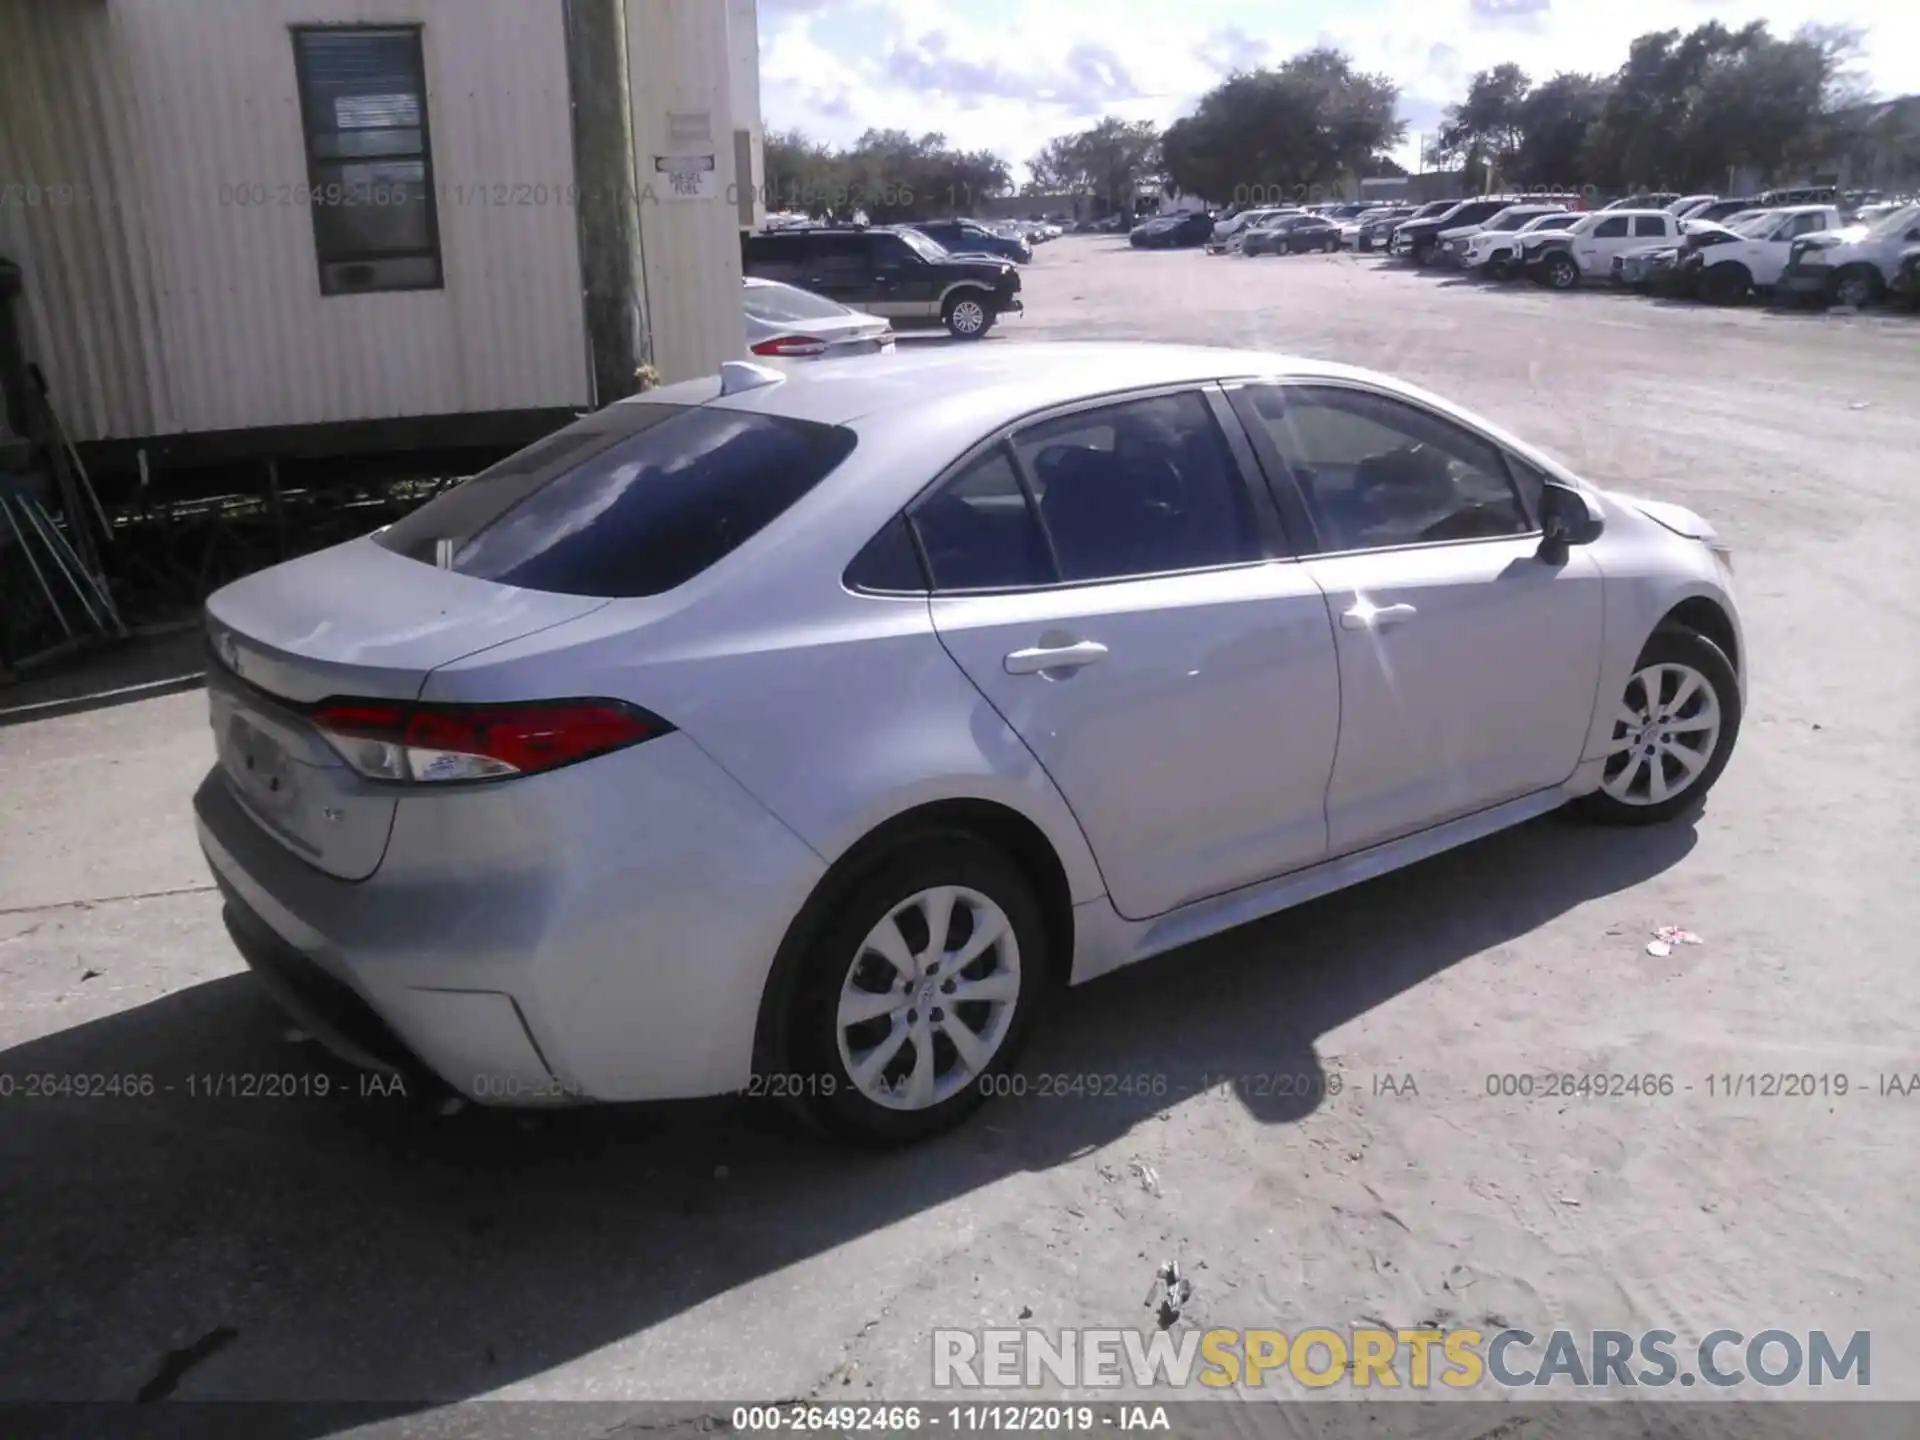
[1468,667]
[840,267]
[1103,577]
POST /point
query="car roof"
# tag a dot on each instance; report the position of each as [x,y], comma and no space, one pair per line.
[990,385]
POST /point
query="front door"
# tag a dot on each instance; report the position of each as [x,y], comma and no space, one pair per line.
[1594,250]
[1468,666]
[1102,578]
[903,283]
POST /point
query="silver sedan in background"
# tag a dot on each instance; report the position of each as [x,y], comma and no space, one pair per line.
[809,729]
[787,324]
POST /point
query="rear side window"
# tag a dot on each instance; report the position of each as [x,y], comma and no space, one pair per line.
[1611,229]
[979,532]
[632,500]
[1649,225]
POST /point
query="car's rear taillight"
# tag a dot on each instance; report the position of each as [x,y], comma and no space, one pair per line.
[791,345]
[432,744]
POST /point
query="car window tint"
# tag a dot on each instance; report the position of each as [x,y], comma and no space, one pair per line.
[840,256]
[1649,225]
[1140,488]
[632,500]
[892,250]
[776,257]
[1377,472]
[1807,224]
[889,561]
[978,531]
[1611,229]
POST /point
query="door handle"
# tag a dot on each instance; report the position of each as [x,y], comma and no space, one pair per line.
[1042,658]
[1366,616]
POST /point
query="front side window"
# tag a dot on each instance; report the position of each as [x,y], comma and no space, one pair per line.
[631,500]
[1611,229]
[921,245]
[363,110]
[1376,472]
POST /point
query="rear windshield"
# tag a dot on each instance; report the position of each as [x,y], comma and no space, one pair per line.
[776,302]
[631,500]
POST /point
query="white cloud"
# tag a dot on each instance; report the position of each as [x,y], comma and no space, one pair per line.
[1007,76]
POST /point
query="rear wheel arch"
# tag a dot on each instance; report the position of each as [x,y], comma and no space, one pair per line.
[1000,826]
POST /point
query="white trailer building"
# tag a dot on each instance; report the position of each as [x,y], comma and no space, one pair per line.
[266,226]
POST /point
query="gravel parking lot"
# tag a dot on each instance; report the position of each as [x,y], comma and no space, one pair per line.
[364,1247]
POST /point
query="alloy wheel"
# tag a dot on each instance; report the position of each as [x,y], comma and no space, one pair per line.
[1854,290]
[1665,729]
[929,998]
[969,317]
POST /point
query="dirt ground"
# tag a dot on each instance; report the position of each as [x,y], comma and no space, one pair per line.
[360,1248]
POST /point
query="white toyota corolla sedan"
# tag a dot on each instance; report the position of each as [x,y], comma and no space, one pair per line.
[804,730]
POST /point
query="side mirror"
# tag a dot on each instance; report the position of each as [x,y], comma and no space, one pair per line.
[1567,517]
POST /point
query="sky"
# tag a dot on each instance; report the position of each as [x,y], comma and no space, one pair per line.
[1006,75]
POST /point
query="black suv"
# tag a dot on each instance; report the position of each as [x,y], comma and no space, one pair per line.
[900,274]
[1421,238]
[969,237]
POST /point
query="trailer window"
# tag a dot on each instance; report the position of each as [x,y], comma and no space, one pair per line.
[631,500]
[363,108]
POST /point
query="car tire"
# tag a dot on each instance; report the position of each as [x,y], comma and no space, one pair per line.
[1560,272]
[1694,676]
[1332,245]
[968,314]
[843,973]
[1498,269]
[1725,284]
[1858,286]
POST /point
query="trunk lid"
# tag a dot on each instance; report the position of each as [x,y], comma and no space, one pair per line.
[352,620]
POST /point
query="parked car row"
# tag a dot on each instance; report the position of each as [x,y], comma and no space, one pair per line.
[1709,247]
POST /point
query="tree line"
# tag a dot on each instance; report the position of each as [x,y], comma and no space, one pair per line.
[1687,110]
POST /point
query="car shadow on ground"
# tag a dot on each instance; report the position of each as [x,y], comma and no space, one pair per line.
[364,1247]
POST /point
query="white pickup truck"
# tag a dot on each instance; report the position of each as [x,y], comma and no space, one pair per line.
[1722,266]
[1856,265]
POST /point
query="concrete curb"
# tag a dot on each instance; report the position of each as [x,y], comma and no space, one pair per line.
[101,699]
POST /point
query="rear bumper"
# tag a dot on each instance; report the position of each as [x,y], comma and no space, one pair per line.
[600,933]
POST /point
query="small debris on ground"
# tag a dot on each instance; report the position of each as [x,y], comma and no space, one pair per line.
[89,974]
[294,1035]
[452,1105]
[1026,1312]
[720,1172]
[1668,936]
[1170,1292]
[1858,404]
[1149,1178]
